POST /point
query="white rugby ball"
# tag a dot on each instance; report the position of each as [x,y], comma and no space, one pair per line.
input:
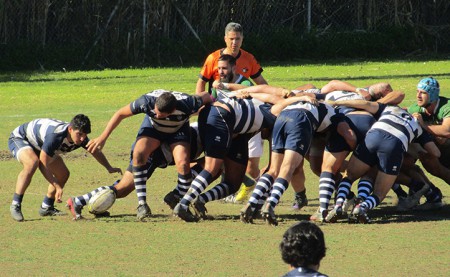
[102,201]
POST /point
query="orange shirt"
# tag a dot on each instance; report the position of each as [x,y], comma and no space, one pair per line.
[246,64]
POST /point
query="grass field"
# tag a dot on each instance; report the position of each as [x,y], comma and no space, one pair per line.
[396,244]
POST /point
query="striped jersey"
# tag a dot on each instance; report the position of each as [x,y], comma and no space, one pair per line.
[343,95]
[49,135]
[186,106]
[400,124]
[251,114]
[321,116]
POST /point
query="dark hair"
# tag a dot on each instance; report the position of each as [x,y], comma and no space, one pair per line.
[234,27]
[81,123]
[228,58]
[166,102]
[303,245]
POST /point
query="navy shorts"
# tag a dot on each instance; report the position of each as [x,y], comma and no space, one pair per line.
[292,131]
[182,135]
[382,149]
[238,151]
[16,144]
[359,123]
[216,128]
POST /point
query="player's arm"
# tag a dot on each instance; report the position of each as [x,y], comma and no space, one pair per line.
[205,96]
[281,105]
[201,85]
[278,91]
[334,85]
[371,107]
[392,98]
[44,162]
[260,80]
[442,130]
[98,143]
[101,159]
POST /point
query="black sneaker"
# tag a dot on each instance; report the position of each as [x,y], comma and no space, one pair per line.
[51,211]
[184,214]
[172,199]
[143,211]
[200,209]
[16,212]
[300,200]
[247,214]
[269,215]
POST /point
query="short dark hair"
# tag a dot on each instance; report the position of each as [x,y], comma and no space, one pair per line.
[303,245]
[166,102]
[234,27]
[228,58]
[81,123]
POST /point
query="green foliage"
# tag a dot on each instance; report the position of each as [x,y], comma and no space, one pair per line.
[398,243]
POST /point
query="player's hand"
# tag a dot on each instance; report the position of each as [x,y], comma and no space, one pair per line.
[58,194]
[419,118]
[216,84]
[95,144]
[115,170]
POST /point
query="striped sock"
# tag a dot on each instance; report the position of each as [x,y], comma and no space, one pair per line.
[344,190]
[326,189]
[140,183]
[365,188]
[264,184]
[371,202]
[217,192]
[200,183]
[279,187]
[82,200]
[184,183]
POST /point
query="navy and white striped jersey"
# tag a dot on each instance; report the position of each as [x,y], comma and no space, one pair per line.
[320,116]
[400,124]
[343,95]
[186,106]
[251,114]
[49,135]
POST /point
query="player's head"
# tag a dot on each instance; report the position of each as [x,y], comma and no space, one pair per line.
[379,90]
[303,245]
[234,34]
[81,123]
[165,104]
[427,91]
[78,129]
[225,66]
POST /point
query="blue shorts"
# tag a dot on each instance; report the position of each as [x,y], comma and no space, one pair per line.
[182,135]
[215,126]
[382,149]
[16,144]
[292,131]
[359,123]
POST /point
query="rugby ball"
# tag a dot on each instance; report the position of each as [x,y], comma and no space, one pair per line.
[101,201]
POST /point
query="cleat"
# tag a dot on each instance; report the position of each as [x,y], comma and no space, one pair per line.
[51,211]
[172,199]
[300,200]
[361,214]
[318,216]
[200,209]
[143,211]
[346,206]
[16,212]
[269,215]
[335,214]
[244,193]
[75,209]
[247,214]
[430,206]
[230,199]
[185,215]
[407,203]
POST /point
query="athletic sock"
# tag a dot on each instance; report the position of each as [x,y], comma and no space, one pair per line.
[217,192]
[279,187]
[140,183]
[17,199]
[326,189]
[48,202]
[199,184]
[371,202]
[399,191]
[365,188]
[264,184]
[84,199]
[344,190]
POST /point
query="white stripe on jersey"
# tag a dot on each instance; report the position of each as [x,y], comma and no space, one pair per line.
[393,131]
[343,95]
[245,118]
[315,112]
[38,129]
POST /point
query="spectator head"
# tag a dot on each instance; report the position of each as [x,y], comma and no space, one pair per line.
[303,245]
